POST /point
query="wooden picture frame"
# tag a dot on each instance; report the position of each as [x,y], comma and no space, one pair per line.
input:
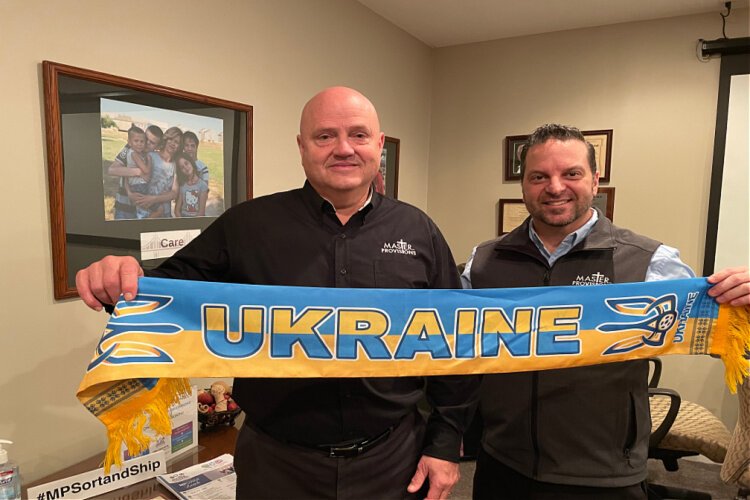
[389,159]
[513,146]
[82,228]
[511,214]
[602,142]
[604,200]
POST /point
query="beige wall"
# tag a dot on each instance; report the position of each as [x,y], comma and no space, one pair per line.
[641,79]
[272,55]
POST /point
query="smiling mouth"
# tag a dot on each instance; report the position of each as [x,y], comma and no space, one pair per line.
[556,203]
[343,165]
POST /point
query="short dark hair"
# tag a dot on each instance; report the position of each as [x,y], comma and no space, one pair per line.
[190,135]
[135,130]
[561,133]
[155,130]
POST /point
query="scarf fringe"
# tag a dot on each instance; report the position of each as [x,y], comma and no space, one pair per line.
[125,424]
[732,343]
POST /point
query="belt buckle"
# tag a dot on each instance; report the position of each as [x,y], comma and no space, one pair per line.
[348,451]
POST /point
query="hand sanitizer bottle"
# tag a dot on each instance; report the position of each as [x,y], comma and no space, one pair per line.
[10,481]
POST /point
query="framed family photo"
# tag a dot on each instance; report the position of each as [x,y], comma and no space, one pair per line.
[389,167]
[136,168]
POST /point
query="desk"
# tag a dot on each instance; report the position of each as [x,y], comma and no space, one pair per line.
[211,444]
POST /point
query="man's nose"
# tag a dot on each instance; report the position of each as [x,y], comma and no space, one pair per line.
[343,148]
[555,185]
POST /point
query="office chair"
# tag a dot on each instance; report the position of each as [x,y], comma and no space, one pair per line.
[736,468]
[681,429]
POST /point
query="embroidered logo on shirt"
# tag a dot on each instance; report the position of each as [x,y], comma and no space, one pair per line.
[400,246]
[594,279]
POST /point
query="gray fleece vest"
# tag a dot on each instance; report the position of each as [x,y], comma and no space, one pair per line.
[582,426]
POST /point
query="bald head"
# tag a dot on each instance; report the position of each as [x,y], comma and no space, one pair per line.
[336,98]
[340,142]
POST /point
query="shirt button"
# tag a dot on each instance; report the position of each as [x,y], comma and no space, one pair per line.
[343,271]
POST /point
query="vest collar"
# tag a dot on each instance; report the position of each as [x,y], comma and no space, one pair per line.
[601,237]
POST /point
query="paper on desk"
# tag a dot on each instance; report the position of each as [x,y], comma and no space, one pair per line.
[214,479]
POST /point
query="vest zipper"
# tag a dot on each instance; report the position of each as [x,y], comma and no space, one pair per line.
[534,423]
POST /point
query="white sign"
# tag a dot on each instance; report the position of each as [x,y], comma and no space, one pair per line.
[161,244]
[96,482]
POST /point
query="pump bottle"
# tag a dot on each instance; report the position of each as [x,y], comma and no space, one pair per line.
[10,480]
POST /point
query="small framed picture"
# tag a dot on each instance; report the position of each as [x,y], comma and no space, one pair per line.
[605,201]
[513,146]
[512,213]
[387,181]
[602,142]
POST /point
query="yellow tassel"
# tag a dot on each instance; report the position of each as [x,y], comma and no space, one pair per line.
[732,343]
[126,423]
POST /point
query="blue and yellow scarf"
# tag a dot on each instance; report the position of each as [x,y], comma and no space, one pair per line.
[175,329]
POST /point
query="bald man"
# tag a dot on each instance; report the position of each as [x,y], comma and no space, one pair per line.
[327,438]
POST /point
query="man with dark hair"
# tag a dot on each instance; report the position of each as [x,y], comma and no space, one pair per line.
[154,134]
[578,432]
[327,437]
[125,208]
[190,144]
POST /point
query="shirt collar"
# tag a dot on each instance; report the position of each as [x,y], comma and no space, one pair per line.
[320,203]
[567,243]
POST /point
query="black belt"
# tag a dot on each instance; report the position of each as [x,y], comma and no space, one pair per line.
[353,449]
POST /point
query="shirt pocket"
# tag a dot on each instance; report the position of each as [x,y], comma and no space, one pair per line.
[400,273]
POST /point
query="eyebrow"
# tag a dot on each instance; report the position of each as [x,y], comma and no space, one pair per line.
[325,130]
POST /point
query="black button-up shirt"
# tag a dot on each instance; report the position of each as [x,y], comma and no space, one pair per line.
[294,238]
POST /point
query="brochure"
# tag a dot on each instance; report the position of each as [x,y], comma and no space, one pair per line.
[214,479]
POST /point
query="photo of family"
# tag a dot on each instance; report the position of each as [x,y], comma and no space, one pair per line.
[160,163]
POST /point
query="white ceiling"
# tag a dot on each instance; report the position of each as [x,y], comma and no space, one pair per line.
[440,23]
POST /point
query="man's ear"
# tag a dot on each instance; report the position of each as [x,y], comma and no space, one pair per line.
[299,144]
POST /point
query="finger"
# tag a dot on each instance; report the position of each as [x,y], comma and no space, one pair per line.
[96,283]
[742,301]
[441,493]
[433,493]
[130,271]
[111,279]
[733,283]
[725,273]
[440,483]
[437,492]
[735,296]
[84,290]
[416,481]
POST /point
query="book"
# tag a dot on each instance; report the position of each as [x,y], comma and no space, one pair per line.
[214,479]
